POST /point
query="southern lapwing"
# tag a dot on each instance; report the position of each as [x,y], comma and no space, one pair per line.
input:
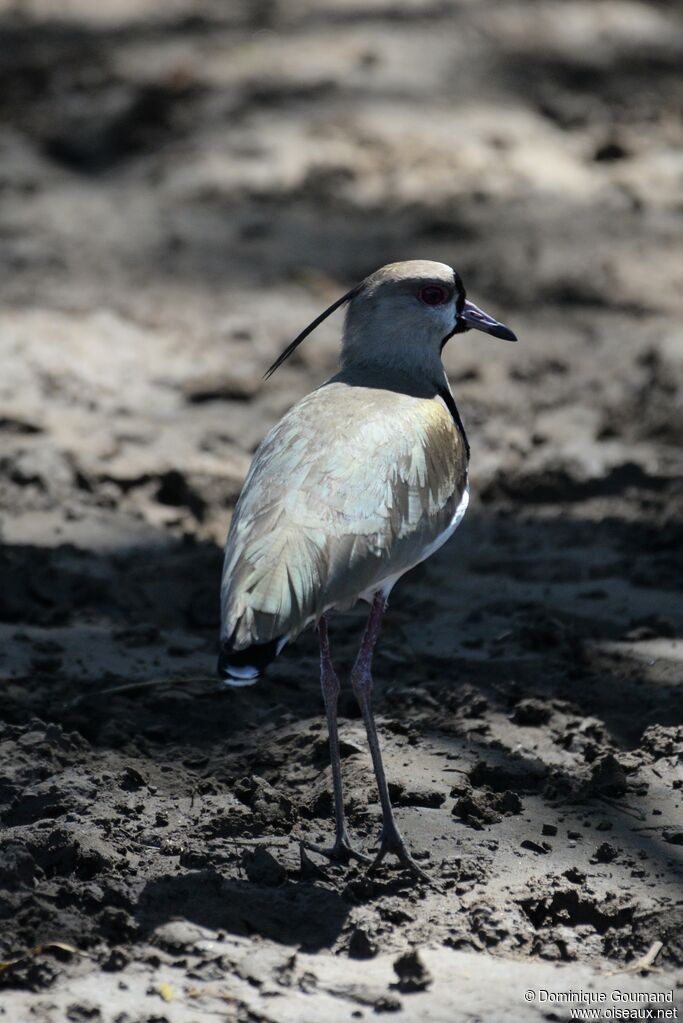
[359,482]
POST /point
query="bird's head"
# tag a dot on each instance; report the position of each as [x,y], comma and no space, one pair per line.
[402,315]
[405,312]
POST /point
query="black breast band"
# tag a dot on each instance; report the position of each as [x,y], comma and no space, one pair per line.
[448,398]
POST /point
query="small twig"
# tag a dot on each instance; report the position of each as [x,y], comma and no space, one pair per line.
[224,996]
[145,684]
[645,963]
[623,807]
[656,827]
[38,950]
[279,843]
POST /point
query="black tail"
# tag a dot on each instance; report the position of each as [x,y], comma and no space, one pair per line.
[243,667]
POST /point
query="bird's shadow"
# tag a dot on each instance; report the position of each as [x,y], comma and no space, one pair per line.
[294,913]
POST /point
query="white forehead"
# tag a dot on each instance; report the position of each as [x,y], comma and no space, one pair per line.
[412,269]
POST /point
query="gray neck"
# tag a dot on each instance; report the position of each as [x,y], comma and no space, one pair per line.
[394,356]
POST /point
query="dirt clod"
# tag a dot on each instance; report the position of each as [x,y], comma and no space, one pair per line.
[412,973]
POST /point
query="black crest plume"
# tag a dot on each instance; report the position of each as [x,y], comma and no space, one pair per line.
[309,330]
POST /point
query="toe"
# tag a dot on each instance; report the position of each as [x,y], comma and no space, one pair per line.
[391,841]
[341,852]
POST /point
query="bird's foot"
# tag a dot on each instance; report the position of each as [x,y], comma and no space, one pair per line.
[341,852]
[391,841]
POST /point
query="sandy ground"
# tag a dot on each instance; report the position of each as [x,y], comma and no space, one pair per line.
[183,186]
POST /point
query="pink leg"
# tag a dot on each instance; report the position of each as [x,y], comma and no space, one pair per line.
[342,849]
[391,839]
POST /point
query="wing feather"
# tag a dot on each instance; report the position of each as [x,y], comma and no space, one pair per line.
[348,489]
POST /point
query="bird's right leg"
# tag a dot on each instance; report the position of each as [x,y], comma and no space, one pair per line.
[342,850]
[391,839]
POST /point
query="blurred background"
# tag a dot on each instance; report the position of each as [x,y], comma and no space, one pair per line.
[183,186]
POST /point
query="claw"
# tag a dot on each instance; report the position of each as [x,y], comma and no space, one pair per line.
[391,841]
[341,852]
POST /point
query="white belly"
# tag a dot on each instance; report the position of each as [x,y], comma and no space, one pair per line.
[386,585]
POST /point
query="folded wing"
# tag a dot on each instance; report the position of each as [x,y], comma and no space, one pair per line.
[350,488]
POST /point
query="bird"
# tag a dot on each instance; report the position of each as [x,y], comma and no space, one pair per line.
[358,483]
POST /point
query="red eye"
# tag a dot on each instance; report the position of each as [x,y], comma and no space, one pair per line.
[433,294]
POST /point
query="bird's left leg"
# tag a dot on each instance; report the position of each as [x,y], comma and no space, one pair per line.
[391,839]
[341,850]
